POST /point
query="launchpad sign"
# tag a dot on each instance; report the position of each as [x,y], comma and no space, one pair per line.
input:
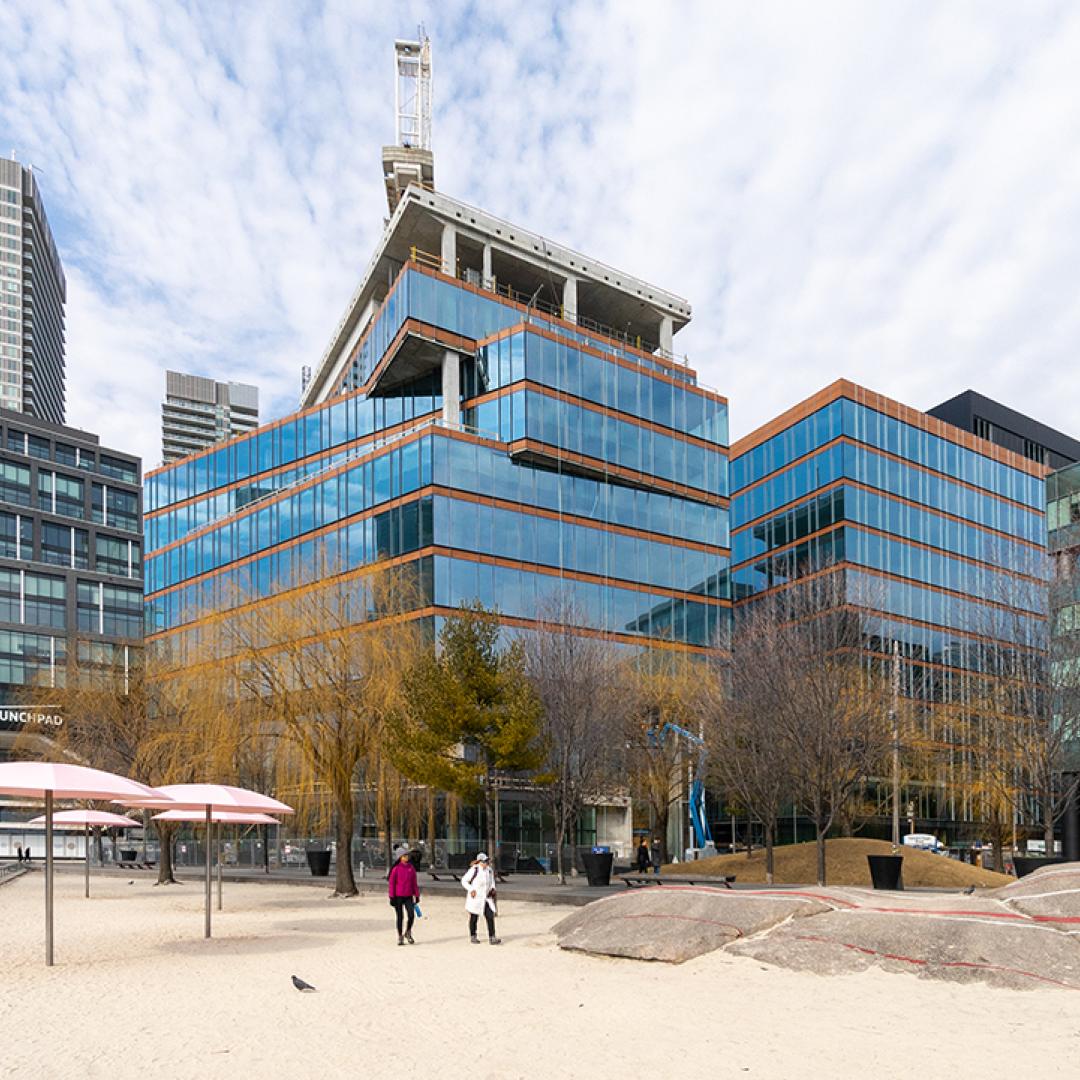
[17,717]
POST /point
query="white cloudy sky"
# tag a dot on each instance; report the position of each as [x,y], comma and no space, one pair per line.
[887,191]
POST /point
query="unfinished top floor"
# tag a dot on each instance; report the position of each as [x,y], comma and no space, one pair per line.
[491,254]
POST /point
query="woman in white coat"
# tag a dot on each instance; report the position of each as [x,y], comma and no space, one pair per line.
[479,884]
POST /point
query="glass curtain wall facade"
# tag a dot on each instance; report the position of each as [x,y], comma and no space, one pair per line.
[939,536]
[1063,524]
[71,573]
[580,468]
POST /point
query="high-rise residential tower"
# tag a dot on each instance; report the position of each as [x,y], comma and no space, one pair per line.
[32,297]
[199,412]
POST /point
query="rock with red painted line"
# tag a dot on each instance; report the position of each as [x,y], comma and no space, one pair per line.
[1051,893]
[976,943]
[674,924]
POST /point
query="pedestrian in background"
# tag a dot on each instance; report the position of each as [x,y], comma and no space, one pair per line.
[644,859]
[479,884]
[404,894]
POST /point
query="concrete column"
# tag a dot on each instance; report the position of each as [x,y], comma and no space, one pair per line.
[488,278]
[1070,822]
[667,332]
[569,300]
[449,250]
[451,387]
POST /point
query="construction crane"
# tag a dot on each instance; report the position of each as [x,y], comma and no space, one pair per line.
[699,822]
[410,159]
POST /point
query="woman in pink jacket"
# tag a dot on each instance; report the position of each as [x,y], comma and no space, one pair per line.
[404,895]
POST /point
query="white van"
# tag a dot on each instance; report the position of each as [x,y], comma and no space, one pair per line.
[923,841]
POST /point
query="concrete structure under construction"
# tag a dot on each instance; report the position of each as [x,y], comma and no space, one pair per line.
[499,412]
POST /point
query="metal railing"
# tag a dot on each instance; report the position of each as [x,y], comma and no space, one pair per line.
[557,311]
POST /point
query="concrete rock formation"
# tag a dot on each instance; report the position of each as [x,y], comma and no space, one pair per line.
[1022,936]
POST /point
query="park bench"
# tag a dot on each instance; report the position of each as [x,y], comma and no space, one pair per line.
[637,881]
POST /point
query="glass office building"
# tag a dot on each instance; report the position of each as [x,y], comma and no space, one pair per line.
[71,598]
[508,443]
[1063,524]
[939,535]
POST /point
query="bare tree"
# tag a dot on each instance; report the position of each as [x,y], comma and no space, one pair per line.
[832,702]
[1023,715]
[749,754]
[575,680]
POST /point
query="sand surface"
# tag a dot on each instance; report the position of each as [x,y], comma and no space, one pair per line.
[137,991]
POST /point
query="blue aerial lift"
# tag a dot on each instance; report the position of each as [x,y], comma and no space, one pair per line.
[699,823]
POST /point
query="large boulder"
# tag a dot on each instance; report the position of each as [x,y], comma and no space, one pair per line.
[951,944]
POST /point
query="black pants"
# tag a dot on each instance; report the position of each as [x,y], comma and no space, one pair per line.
[404,905]
[489,918]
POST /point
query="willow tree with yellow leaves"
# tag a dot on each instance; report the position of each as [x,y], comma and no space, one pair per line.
[129,719]
[305,682]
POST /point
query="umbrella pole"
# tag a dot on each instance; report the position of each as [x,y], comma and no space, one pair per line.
[86,844]
[48,880]
[209,841]
[217,844]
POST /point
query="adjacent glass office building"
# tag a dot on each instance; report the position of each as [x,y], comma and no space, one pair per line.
[1063,522]
[514,448]
[71,597]
[939,535]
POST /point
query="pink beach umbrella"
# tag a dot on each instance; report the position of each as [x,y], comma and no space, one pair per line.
[209,798]
[220,817]
[75,819]
[49,781]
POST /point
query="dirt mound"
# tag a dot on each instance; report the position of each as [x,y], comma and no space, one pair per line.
[676,923]
[845,863]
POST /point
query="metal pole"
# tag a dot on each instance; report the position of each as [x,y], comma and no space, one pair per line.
[86,841]
[896,745]
[48,880]
[217,844]
[209,838]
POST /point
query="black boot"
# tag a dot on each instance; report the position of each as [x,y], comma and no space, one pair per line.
[400,940]
[409,937]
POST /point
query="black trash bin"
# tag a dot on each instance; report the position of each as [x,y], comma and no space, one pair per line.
[128,855]
[1027,864]
[319,861]
[598,866]
[885,871]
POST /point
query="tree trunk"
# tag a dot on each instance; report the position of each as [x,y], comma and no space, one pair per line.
[560,839]
[1048,836]
[769,853]
[344,882]
[820,836]
[489,821]
[431,830]
[165,862]
[662,816]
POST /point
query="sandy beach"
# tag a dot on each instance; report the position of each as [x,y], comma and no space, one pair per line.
[137,991]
